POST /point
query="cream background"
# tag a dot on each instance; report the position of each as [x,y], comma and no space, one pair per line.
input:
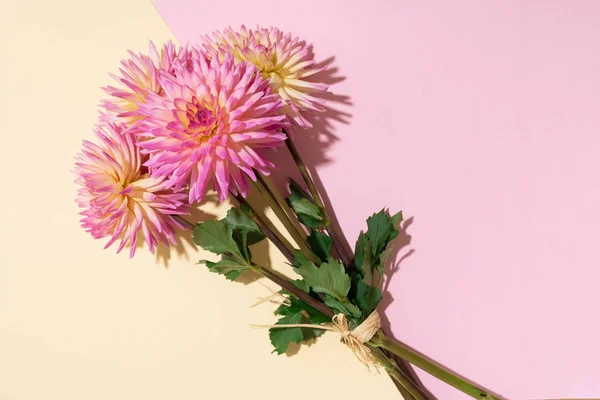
[78,322]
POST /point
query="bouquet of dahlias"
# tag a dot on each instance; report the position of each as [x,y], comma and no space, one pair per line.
[187,119]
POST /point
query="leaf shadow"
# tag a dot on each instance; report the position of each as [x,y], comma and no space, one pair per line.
[294,348]
[397,257]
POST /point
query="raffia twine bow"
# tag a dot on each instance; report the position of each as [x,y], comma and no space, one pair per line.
[355,339]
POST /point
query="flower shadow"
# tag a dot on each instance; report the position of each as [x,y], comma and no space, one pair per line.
[185,244]
[314,144]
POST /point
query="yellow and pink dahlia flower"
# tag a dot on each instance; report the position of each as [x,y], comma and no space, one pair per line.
[119,198]
[139,77]
[211,122]
[285,61]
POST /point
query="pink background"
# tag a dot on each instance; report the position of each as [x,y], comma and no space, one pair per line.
[480,120]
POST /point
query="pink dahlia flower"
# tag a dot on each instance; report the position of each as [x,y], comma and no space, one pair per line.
[118,198]
[285,61]
[139,77]
[212,122]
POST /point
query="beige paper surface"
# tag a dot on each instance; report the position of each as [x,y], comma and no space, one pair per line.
[79,322]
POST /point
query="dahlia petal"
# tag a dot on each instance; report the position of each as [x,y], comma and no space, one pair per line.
[118,200]
[294,63]
[203,125]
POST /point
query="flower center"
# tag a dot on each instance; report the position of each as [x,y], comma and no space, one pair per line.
[200,121]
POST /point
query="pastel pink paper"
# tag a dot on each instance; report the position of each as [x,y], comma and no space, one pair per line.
[482,121]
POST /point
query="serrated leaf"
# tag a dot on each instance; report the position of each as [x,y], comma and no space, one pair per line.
[238,221]
[380,229]
[241,238]
[306,208]
[297,305]
[345,307]
[397,219]
[282,337]
[215,236]
[330,278]
[300,258]
[300,284]
[359,256]
[309,316]
[309,222]
[367,297]
[320,244]
[228,267]
[310,333]
[368,261]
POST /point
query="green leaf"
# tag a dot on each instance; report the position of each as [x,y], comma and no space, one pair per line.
[306,208]
[320,244]
[368,262]
[215,236]
[297,305]
[300,284]
[282,337]
[380,229]
[367,297]
[309,316]
[345,307]
[307,211]
[309,222]
[241,238]
[329,279]
[311,333]
[296,191]
[385,254]
[300,258]
[228,267]
[373,247]
[397,220]
[359,253]
[238,221]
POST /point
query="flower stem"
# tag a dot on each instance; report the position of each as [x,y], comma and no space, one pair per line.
[283,203]
[432,367]
[286,285]
[279,211]
[184,222]
[317,198]
[408,388]
[284,246]
[344,257]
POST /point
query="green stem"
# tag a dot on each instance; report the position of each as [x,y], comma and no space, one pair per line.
[432,367]
[184,222]
[283,203]
[405,383]
[408,388]
[279,211]
[408,370]
[286,285]
[400,373]
[318,200]
[327,222]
